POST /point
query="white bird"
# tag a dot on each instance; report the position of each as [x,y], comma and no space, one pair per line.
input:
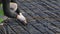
[22,18]
[13,8]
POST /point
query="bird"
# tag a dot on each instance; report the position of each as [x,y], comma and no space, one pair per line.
[14,11]
[13,6]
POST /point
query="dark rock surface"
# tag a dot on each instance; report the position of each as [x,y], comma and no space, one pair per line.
[43,17]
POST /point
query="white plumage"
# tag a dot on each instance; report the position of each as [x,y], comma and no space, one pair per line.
[13,8]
